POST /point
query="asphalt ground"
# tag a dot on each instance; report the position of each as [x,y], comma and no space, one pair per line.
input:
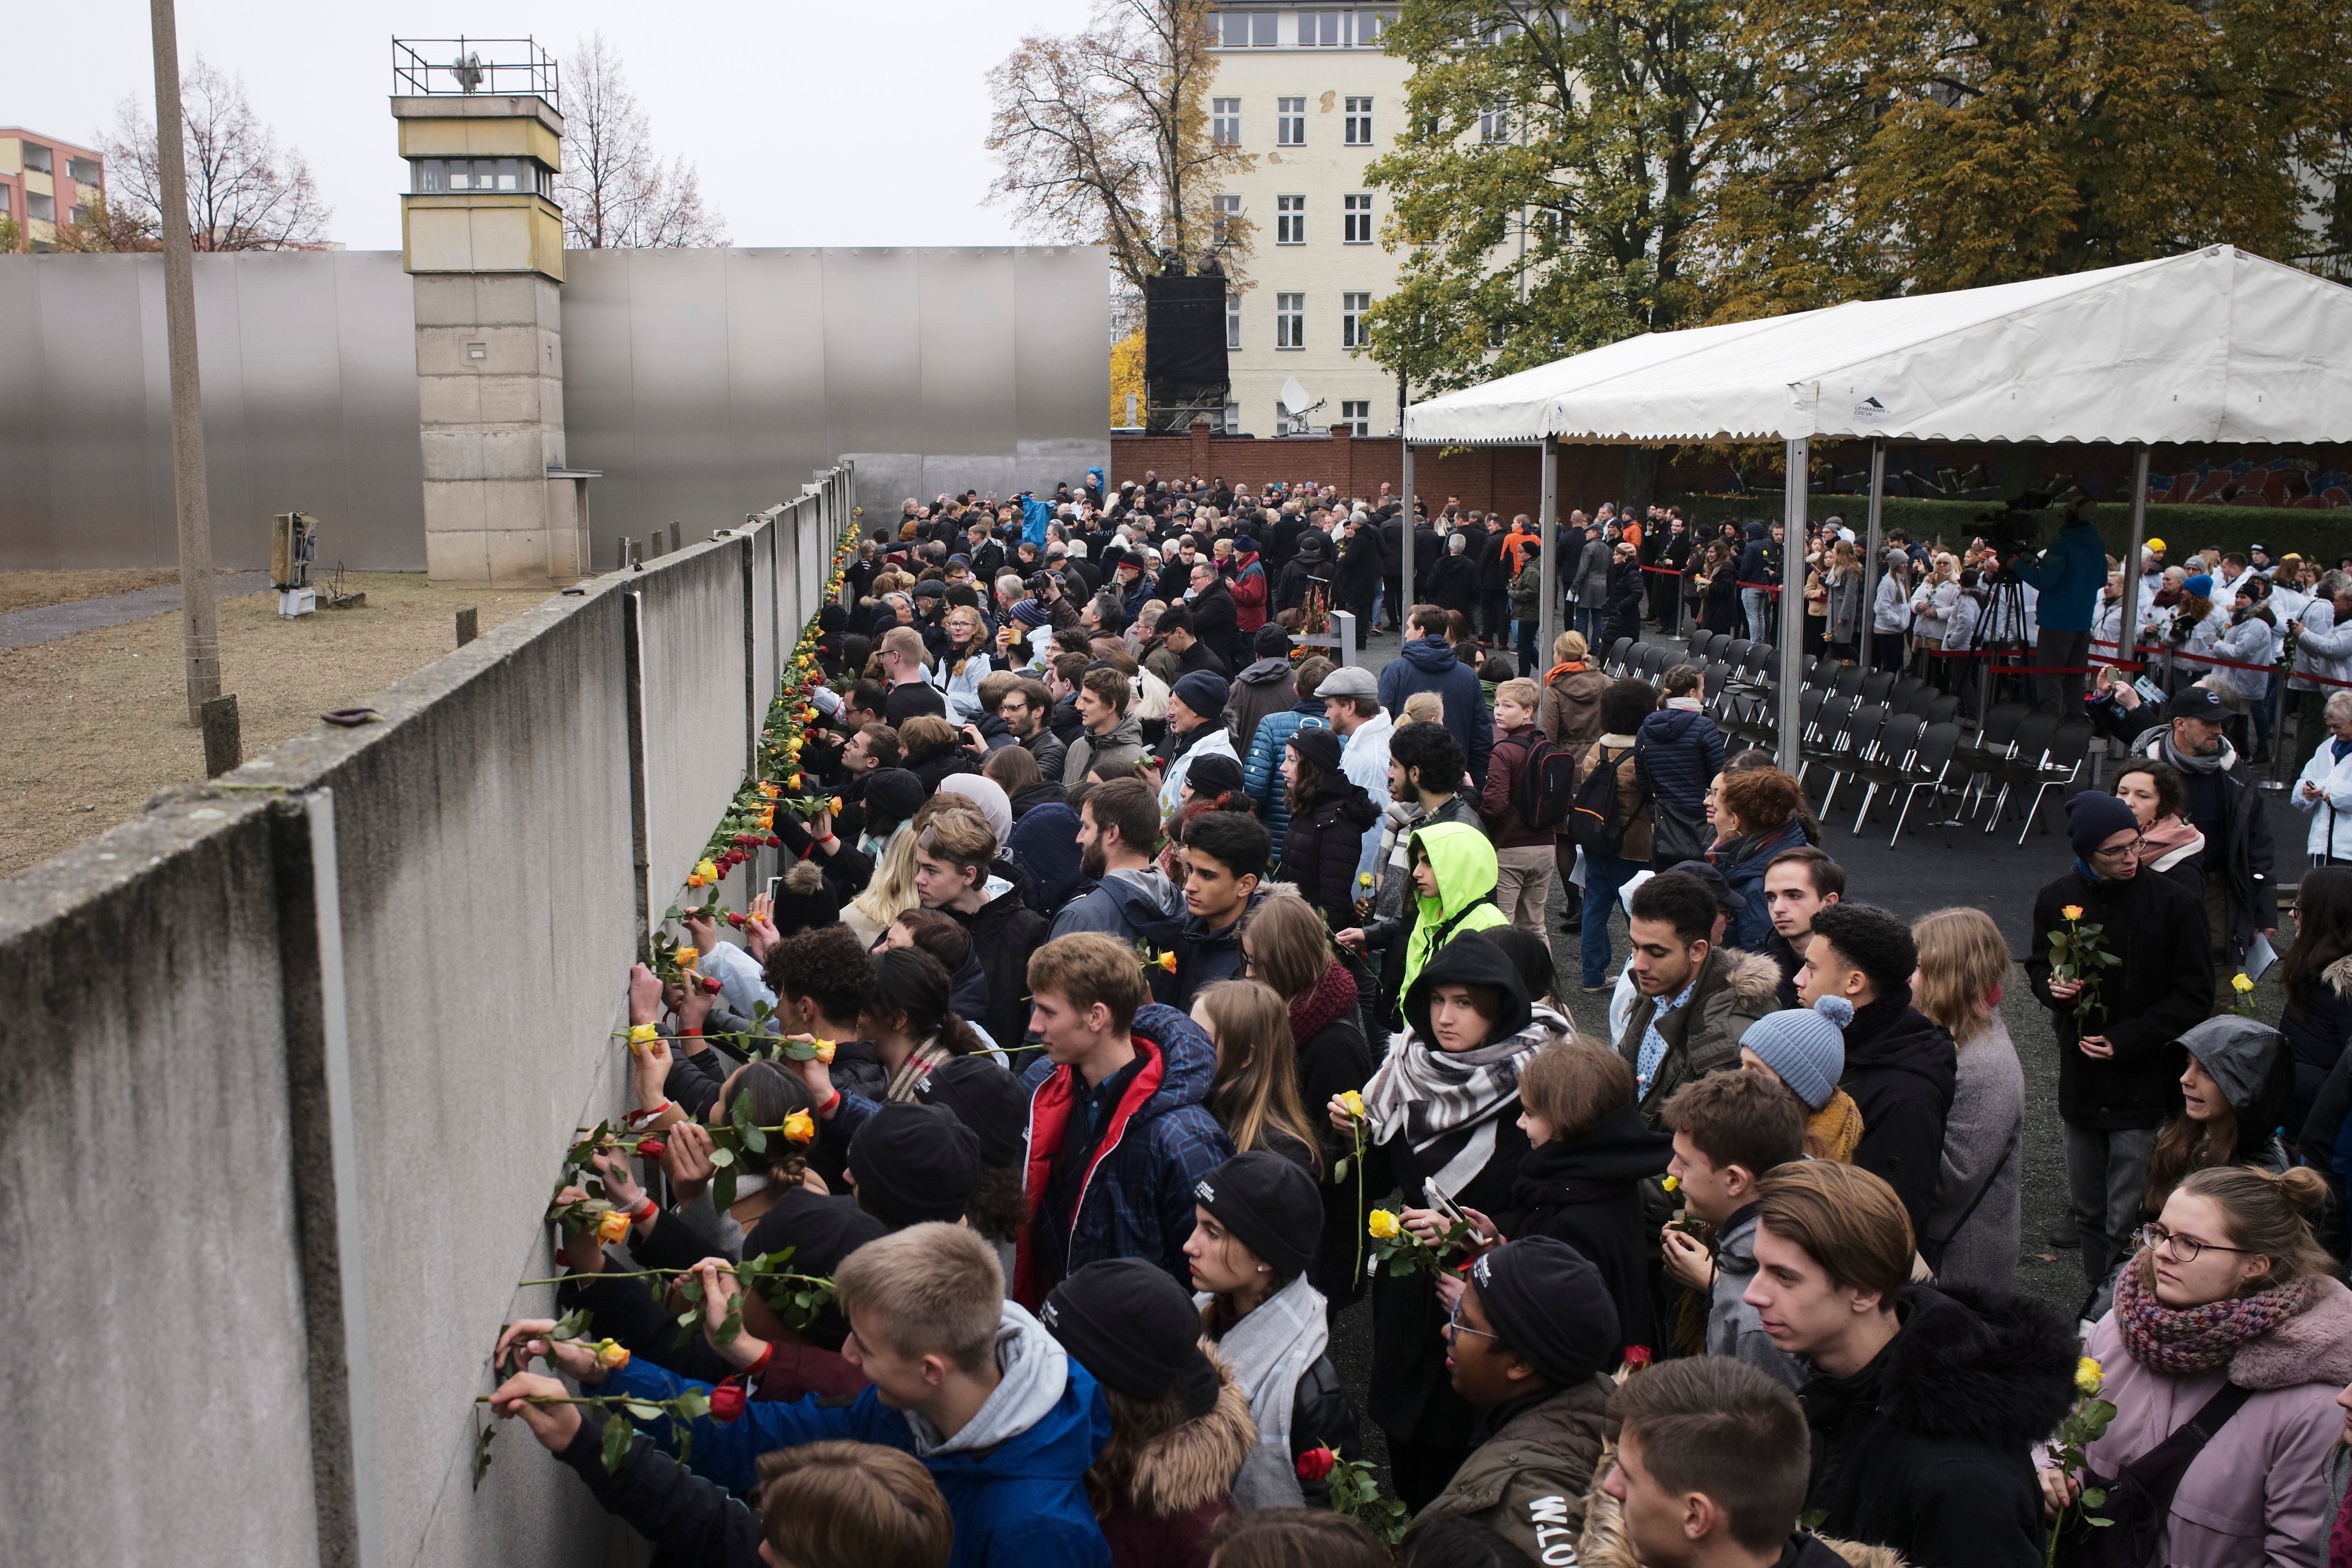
[1932,868]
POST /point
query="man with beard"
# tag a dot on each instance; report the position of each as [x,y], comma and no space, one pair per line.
[1023,711]
[1132,899]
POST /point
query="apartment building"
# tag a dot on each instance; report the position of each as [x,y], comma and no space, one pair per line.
[1313,96]
[43,182]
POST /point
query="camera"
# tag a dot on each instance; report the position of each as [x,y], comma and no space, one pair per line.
[2015,529]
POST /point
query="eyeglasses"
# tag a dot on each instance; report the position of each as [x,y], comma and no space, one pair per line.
[2132,851]
[2184,1248]
[1453,1324]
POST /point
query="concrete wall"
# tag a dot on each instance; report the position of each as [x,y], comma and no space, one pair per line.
[288,1063]
[1490,478]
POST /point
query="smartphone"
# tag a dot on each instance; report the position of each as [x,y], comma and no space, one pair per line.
[772,888]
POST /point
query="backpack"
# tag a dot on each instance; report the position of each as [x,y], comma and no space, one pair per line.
[1593,823]
[1547,784]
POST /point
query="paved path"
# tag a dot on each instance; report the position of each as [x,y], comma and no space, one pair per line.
[48,622]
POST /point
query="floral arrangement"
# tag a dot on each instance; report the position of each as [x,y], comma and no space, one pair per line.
[1404,1252]
[2076,953]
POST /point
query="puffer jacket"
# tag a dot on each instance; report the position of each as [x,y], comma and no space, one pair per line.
[1587,1191]
[1324,843]
[1249,597]
[1136,1198]
[1925,1449]
[1680,752]
[1262,773]
[2331,813]
[1742,861]
[1527,1482]
[1428,664]
[1702,1036]
[2257,1494]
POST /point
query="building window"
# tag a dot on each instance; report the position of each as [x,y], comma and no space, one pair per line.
[1290,220]
[37,157]
[82,170]
[1360,122]
[78,216]
[1371,25]
[40,208]
[1225,121]
[1290,122]
[1357,416]
[1319,29]
[1495,124]
[432,176]
[1223,207]
[1290,321]
[1357,219]
[1353,333]
[1249,29]
[1232,321]
[8,195]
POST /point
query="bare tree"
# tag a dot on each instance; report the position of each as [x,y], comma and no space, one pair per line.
[105,228]
[1102,136]
[243,192]
[616,194]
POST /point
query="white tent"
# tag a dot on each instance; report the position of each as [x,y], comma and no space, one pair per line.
[2213,346]
[2216,345]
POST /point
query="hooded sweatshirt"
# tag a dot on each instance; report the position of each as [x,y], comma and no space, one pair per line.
[1733,1327]
[1463,861]
[1130,905]
[1428,664]
[1121,748]
[1012,1478]
[1901,1069]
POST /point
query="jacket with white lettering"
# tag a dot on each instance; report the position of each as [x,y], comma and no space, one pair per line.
[1527,1483]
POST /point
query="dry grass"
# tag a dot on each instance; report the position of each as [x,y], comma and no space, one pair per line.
[94,723]
[28,589]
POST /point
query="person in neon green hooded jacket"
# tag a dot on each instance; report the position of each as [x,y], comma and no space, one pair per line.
[1459,861]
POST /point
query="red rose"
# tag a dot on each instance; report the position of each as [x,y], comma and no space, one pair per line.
[726,1402]
[652,1148]
[775,841]
[1314,1464]
[1637,1357]
[709,986]
[735,920]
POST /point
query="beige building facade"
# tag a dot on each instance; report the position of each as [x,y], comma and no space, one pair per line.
[45,181]
[1311,94]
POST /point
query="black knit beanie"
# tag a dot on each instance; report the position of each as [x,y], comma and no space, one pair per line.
[1131,1324]
[915,1162]
[1268,1202]
[1550,1306]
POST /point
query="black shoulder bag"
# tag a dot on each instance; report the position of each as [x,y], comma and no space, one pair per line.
[2140,1499]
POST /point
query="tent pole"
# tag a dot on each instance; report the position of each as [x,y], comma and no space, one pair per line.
[2127,628]
[1870,563]
[1792,603]
[1548,562]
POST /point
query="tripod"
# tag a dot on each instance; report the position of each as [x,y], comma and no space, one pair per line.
[2001,629]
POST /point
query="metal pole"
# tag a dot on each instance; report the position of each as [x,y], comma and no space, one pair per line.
[200,628]
[1792,604]
[1872,561]
[2127,627]
[1405,534]
[1548,562]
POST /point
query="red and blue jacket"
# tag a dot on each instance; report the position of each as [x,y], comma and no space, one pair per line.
[1135,1199]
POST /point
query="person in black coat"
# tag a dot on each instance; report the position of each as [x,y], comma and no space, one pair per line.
[1391,532]
[1216,619]
[2115,1068]
[1329,814]
[1360,567]
[1310,560]
[2318,974]
[1621,611]
[1453,582]
[1493,584]
[1900,1065]
[1582,1180]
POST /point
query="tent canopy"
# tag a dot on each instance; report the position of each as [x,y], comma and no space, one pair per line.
[2215,345]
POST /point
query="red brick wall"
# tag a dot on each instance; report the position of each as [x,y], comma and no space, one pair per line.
[1490,478]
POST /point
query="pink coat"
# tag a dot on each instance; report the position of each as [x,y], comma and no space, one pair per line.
[2258,1494]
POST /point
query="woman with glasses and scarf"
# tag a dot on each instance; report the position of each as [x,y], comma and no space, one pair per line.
[2229,1316]
[2115,1030]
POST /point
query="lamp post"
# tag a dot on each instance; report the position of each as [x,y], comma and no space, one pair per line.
[199,626]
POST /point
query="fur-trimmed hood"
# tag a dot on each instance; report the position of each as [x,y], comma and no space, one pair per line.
[1753,979]
[1975,1365]
[1185,1467]
[2338,976]
[2312,1346]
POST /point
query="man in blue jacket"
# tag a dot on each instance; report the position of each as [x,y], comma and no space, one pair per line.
[965,1381]
[2069,576]
[1426,663]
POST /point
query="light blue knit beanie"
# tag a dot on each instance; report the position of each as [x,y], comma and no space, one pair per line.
[1805,1047]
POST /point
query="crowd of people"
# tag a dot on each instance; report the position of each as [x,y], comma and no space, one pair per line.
[1150,991]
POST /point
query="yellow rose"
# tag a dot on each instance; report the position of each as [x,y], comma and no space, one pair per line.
[800,1127]
[612,1355]
[1353,1103]
[1364,879]
[835,804]
[1168,962]
[2071,912]
[1673,1184]
[1383,1224]
[694,879]
[684,957]
[825,1049]
[614,1227]
[795,781]
[2240,983]
[642,1035]
[2087,1375]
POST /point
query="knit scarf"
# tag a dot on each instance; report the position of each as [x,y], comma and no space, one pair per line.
[2198,1338]
[1566,667]
[1425,1093]
[916,1068]
[1269,1351]
[1316,1011]
[2221,761]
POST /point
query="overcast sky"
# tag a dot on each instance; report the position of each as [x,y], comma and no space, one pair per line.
[812,124]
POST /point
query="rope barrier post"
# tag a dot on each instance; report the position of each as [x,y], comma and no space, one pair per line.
[1871,563]
[1792,605]
[1546,561]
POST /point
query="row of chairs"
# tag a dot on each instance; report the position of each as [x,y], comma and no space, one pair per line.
[1893,735]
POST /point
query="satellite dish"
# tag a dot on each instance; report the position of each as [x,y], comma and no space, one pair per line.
[1294,398]
[468,69]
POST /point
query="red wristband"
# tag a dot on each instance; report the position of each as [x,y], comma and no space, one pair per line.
[695,1031]
[760,1365]
[830,1107]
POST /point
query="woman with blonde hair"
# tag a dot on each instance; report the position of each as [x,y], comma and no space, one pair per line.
[2230,1317]
[1845,606]
[1255,1093]
[1973,1230]
[958,673]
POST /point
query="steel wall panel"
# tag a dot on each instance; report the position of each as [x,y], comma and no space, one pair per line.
[967,309]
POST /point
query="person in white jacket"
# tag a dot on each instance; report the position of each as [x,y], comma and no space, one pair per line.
[1890,611]
[2323,793]
[2320,654]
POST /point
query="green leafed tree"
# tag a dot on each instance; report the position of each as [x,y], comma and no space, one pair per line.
[1919,145]
[1553,171]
